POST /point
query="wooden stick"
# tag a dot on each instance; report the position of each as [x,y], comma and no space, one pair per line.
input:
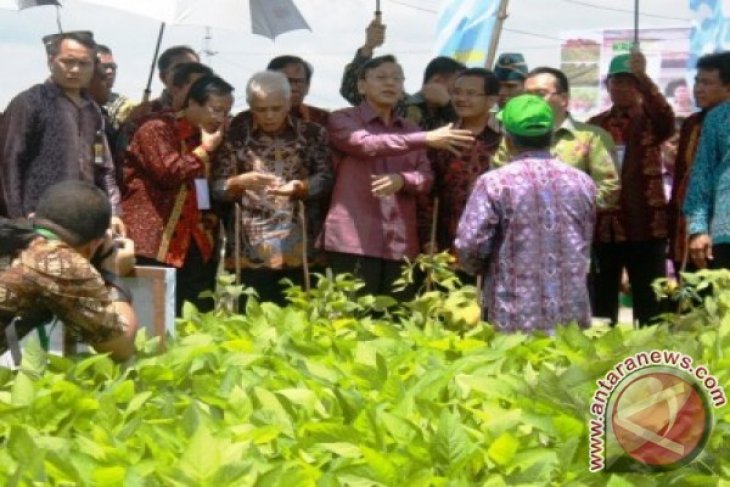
[432,243]
[305,245]
[237,250]
[480,289]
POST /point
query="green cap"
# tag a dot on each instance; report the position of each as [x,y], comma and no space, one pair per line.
[620,65]
[527,115]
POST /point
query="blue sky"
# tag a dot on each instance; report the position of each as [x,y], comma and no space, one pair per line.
[534,27]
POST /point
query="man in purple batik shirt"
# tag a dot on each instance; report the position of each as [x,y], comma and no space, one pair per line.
[529,226]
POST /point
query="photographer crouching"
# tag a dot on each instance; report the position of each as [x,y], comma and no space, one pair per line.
[63,262]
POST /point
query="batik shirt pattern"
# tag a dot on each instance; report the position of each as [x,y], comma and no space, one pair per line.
[454,178]
[271,227]
[642,212]
[49,279]
[528,226]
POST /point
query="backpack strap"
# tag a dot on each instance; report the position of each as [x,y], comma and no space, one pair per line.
[11,336]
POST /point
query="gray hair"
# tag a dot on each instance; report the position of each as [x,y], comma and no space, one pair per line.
[265,82]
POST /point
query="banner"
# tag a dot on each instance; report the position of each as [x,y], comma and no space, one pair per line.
[585,58]
[464,30]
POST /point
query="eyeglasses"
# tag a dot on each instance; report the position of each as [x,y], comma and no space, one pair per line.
[382,78]
[467,93]
[543,93]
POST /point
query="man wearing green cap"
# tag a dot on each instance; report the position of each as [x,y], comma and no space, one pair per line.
[634,236]
[528,226]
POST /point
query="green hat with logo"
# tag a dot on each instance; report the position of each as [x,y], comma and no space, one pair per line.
[620,65]
[527,116]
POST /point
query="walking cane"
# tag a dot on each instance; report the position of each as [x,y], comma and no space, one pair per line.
[432,243]
[305,245]
[480,288]
[237,250]
[685,256]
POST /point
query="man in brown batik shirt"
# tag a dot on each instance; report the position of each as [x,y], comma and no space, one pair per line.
[49,272]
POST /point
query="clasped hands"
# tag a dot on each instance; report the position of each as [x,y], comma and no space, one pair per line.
[272,184]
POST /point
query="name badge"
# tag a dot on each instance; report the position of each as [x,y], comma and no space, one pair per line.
[620,153]
[202,193]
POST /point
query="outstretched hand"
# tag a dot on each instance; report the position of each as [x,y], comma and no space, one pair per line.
[449,138]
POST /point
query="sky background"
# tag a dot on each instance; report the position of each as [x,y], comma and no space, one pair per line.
[534,27]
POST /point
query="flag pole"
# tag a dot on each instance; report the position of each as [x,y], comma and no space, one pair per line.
[496,33]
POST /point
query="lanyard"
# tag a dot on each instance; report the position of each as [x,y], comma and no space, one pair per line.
[49,235]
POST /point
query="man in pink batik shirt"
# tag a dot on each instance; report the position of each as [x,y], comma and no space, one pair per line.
[380,167]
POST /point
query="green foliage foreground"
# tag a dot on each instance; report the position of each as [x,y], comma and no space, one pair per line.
[332,391]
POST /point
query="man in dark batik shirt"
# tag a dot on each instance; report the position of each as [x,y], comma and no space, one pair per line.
[634,236]
[268,162]
[475,93]
[431,107]
[54,131]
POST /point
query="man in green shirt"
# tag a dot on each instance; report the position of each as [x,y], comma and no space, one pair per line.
[580,145]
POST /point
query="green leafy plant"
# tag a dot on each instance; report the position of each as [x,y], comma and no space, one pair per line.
[337,390]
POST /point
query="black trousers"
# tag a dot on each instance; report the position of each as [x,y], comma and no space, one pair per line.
[644,261]
[720,260]
[194,277]
[267,283]
[720,257]
[378,274]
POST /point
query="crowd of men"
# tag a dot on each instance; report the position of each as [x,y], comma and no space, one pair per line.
[488,165]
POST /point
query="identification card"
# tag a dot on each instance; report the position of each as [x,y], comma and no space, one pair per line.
[202,194]
[620,153]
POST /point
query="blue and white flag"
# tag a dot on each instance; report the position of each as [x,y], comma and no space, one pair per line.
[710,28]
[464,29]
